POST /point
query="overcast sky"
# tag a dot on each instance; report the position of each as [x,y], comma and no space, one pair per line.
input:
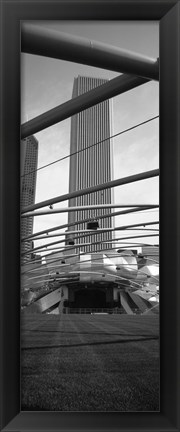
[46,83]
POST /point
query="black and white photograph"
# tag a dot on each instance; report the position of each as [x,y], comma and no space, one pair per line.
[90,216]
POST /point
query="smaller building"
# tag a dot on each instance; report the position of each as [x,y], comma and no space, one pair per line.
[29,160]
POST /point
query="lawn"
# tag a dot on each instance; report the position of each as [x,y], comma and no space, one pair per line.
[90,362]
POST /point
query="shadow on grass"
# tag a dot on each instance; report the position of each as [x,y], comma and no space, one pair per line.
[141,339]
[89,333]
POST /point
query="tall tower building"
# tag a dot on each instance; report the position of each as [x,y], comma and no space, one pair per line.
[93,165]
[29,160]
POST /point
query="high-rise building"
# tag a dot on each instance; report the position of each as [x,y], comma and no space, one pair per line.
[91,165]
[29,160]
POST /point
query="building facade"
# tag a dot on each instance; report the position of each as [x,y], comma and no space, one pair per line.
[29,160]
[92,164]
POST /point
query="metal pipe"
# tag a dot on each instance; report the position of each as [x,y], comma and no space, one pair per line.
[97,258]
[47,231]
[68,264]
[79,246]
[114,214]
[85,233]
[92,232]
[29,273]
[51,43]
[152,230]
[80,208]
[108,90]
[110,184]
[90,146]
[59,249]
[75,254]
[143,229]
[110,240]
[72,274]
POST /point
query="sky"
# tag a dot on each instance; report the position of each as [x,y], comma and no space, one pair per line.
[47,83]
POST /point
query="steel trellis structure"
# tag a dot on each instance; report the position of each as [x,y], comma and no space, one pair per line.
[34,41]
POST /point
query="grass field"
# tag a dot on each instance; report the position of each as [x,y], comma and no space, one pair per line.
[90,362]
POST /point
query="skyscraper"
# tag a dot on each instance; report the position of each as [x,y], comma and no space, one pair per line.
[29,160]
[93,165]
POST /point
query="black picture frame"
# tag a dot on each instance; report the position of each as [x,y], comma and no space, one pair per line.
[168,14]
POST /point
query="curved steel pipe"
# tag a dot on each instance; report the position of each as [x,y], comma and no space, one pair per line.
[119,182]
[54,44]
[106,91]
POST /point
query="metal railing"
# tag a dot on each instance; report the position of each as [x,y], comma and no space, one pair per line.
[92,311]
